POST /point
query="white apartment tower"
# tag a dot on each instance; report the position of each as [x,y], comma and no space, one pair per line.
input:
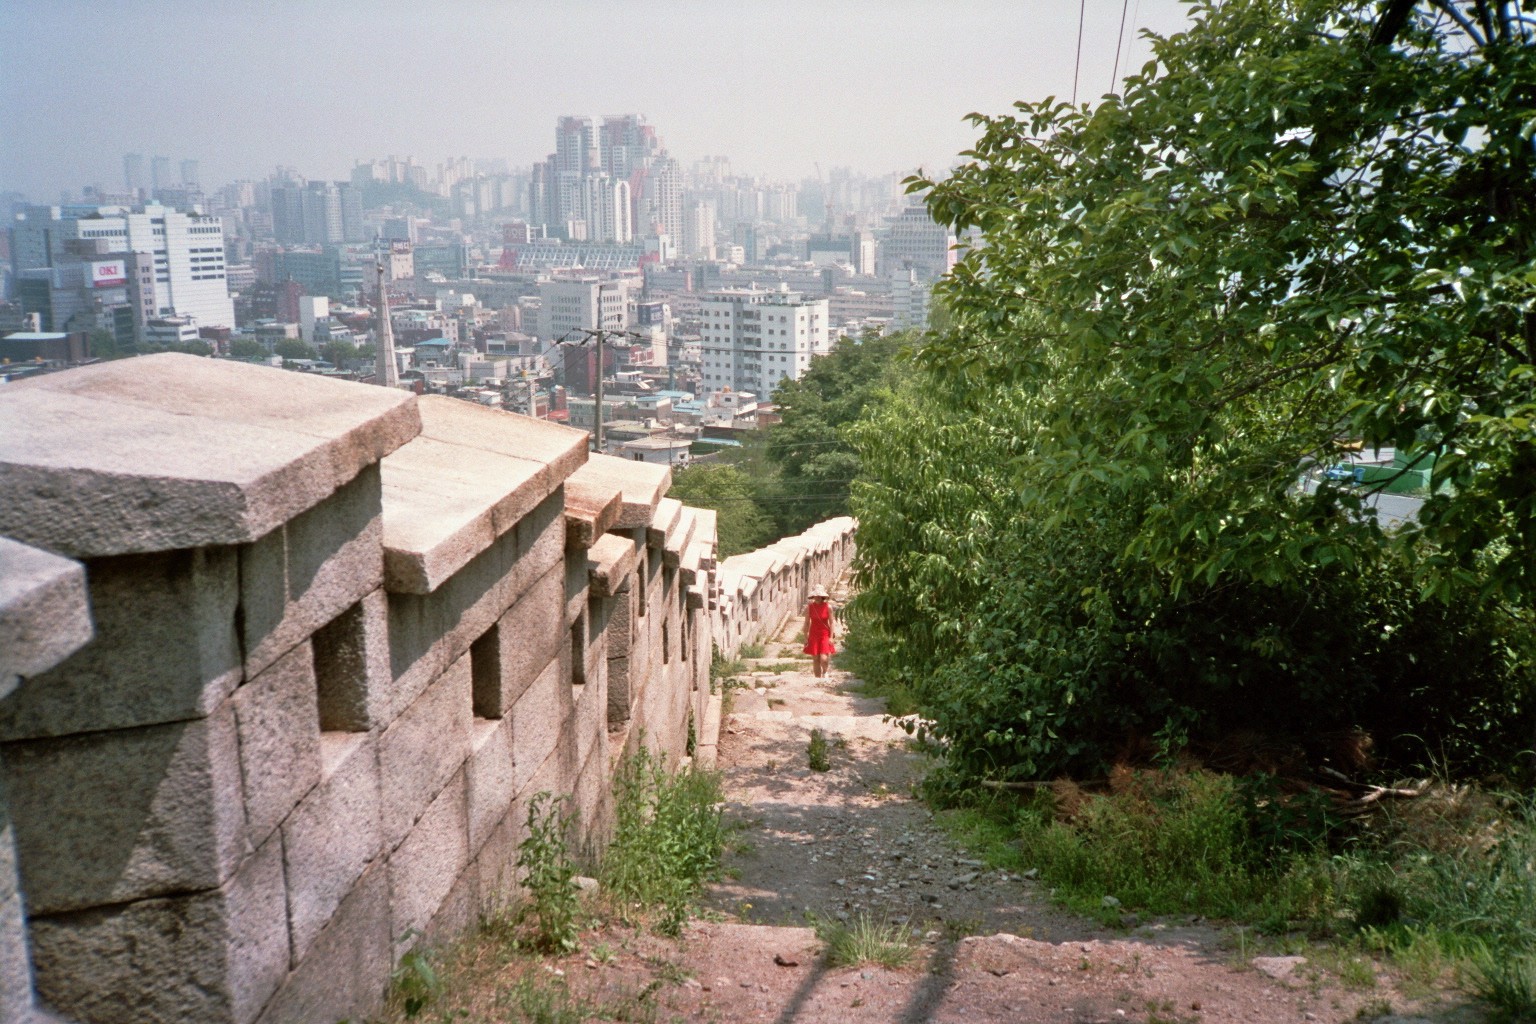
[753,339]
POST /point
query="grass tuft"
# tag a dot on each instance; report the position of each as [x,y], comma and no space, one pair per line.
[817,753]
[1507,985]
[866,940]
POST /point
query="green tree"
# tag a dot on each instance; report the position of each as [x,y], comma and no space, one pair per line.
[1305,221]
[341,354]
[1297,227]
[742,524]
[293,348]
[811,462]
[247,348]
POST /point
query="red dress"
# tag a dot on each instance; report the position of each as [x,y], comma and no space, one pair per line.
[818,639]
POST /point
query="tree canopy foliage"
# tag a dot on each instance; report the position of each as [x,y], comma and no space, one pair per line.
[1303,225]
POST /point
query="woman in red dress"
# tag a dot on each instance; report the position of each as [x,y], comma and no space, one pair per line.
[818,631]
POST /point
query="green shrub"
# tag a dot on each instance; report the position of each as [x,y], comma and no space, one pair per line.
[668,837]
[1169,843]
[750,651]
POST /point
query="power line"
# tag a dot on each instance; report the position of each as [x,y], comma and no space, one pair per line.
[1114,84]
[1077,66]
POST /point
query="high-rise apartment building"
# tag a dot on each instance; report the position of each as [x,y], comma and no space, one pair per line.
[752,339]
[160,172]
[620,148]
[698,241]
[183,254]
[133,172]
[317,213]
[189,173]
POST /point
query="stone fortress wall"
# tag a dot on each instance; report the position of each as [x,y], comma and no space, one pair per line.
[283,661]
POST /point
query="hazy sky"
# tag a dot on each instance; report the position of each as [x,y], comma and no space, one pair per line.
[318,84]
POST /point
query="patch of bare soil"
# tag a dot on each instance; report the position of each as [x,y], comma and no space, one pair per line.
[988,945]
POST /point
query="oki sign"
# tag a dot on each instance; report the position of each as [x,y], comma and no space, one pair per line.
[110,274]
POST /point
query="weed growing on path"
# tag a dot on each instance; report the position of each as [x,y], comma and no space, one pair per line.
[550,880]
[668,838]
[817,753]
[750,651]
[865,940]
[414,984]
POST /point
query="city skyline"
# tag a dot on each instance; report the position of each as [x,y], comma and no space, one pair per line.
[783,89]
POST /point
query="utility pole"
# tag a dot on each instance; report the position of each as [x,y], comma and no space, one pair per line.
[598,336]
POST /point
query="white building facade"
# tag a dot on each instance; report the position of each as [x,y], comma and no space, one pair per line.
[186,250]
[752,339]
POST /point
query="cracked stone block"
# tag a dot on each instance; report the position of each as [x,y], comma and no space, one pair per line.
[427,632]
[115,816]
[332,836]
[352,671]
[165,650]
[279,740]
[214,956]
[527,637]
[345,972]
[491,777]
[423,748]
[538,720]
[425,866]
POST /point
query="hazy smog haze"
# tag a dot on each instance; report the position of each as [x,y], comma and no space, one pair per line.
[775,86]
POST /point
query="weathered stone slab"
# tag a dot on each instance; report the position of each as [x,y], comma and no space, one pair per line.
[458,911]
[707,534]
[562,449]
[592,800]
[212,956]
[279,730]
[664,523]
[491,778]
[589,725]
[590,512]
[165,617]
[470,477]
[424,868]
[423,749]
[44,614]
[110,817]
[538,717]
[332,836]
[611,561]
[170,451]
[496,863]
[308,571]
[346,971]
[640,485]
[429,631]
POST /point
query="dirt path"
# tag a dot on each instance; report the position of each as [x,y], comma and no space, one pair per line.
[853,841]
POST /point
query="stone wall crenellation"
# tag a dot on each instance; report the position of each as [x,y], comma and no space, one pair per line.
[283,661]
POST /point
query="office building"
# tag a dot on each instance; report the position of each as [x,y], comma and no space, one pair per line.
[185,250]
